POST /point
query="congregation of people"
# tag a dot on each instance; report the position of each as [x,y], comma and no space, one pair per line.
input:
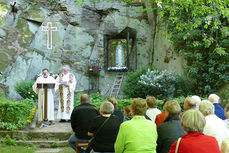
[203,126]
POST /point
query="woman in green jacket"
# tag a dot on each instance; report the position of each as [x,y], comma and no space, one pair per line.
[137,135]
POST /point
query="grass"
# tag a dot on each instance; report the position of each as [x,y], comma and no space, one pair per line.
[16,149]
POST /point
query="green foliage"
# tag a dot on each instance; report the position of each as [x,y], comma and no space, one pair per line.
[180,100]
[25,90]
[17,149]
[131,86]
[3,8]
[124,102]
[13,114]
[199,31]
[54,145]
[52,2]
[95,99]
[10,141]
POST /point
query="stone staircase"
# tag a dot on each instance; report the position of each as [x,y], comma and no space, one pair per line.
[55,136]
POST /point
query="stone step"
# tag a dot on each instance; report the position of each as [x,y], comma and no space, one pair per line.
[48,150]
[55,150]
[59,131]
[44,143]
[28,135]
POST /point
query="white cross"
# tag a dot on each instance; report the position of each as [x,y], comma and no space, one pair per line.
[49,29]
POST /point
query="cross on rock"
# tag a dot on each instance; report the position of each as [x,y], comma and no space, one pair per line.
[49,29]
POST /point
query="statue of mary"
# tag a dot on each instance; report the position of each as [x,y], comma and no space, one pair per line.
[119,58]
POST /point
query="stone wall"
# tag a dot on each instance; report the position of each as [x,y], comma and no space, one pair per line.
[78,40]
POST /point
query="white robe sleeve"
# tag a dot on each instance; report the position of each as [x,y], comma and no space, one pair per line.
[35,86]
[73,84]
[57,83]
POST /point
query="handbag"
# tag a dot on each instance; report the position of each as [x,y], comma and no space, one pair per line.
[177,146]
[92,140]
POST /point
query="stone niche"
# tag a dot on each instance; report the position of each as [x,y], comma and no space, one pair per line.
[127,41]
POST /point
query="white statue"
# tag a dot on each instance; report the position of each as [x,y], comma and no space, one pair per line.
[119,59]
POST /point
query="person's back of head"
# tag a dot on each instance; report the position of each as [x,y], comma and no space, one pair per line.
[138,106]
[114,102]
[106,108]
[85,98]
[172,108]
[197,100]
[193,121]
[151,102]
[206,107]
[213,98]
[127,111]
[189,103]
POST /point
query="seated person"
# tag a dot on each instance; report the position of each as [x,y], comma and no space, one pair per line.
[219,111]
[137,135]
[195,141]
[81,119]
[197,101]
[160,118]
[152,110]
[227,115]
[117,112]
[214,126]
[171,129]
[127,113]
[105,139]
[189,103]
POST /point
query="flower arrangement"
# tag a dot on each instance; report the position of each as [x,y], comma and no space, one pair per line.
[118,69]
[31,116]
[94,69]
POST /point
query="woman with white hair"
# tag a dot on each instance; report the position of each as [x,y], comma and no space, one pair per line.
[105,129]
[194,141]
[219,111]
[197,100]
[214,126]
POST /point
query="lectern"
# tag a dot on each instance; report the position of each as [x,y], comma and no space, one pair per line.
[45,87]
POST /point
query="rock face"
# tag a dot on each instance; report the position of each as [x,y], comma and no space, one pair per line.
[78,41]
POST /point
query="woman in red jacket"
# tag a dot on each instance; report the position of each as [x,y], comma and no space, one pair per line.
[194,141]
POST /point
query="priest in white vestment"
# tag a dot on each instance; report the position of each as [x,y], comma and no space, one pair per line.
[45,78]
[67,85]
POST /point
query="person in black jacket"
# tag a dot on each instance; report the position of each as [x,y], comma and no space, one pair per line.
[171,129]
[117,112]
[81,119]
[106,136]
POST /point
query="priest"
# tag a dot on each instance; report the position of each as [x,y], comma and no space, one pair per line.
[67,85]
[45,78]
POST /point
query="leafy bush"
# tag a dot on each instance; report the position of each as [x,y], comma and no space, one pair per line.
[13,114]
[131,86]
[161,84]
[25,90]
[199,31]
